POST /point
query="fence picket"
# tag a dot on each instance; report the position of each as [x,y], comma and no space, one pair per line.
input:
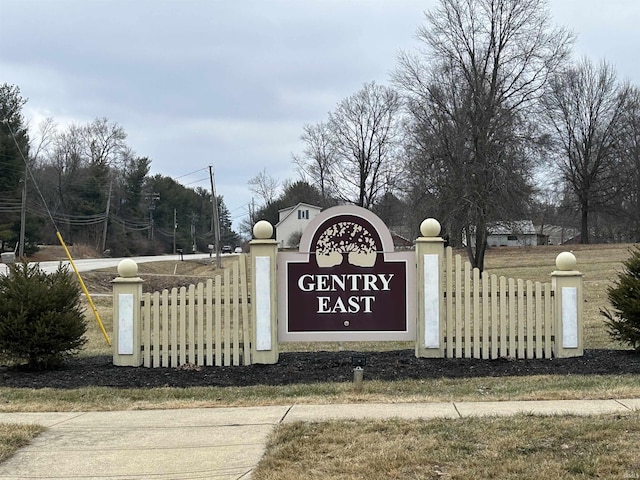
[503,317]
[227,319]
[520,318]
[218,320]
[174,321]
[539,319]
[236,315]
[155,326]
[529,320]
[146,329]
[458,319]
[164,327]
[199,339]
[182,325]
[548,322]
[513,327]
[191,326]
[476,313]
[449,318]
[246,343]
[209,323]
[495,319]
[485,317]
[467,318]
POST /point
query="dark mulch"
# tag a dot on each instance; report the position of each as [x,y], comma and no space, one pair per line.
[311,367]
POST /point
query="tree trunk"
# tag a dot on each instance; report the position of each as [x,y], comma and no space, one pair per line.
[481,248]
[584,225]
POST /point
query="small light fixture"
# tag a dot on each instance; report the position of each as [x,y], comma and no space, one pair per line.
[358,362]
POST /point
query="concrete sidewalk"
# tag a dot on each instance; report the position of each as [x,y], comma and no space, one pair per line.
[215,443]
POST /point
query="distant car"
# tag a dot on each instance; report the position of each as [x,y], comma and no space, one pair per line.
[238,250]
[227,249]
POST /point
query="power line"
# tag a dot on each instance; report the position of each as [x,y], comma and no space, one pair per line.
[196,181]
[187,174]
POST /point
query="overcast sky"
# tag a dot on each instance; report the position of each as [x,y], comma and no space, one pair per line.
[231,83]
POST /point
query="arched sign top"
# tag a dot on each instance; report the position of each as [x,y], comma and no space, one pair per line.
[346,282]
[336,227]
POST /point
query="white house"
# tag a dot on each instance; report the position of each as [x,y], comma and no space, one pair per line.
[514,234]
[291,223]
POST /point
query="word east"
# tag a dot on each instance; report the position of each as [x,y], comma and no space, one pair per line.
[348,283]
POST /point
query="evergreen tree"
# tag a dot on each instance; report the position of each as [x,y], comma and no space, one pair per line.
[41,316]
[623,321]
[14,143]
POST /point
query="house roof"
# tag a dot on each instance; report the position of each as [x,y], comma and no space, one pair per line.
[284,213]
[522,227]
[301,204]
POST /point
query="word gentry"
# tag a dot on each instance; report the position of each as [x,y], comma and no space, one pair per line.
[346,282]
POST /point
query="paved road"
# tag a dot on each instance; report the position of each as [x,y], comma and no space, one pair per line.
[86,265]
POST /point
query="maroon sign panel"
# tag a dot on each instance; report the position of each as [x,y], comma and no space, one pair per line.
[346,282]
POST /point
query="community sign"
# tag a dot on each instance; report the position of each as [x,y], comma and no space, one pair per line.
[346,282]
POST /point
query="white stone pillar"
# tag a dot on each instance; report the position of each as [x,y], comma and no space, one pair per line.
[430,258]
[127,328]
[568,325]
[264,319]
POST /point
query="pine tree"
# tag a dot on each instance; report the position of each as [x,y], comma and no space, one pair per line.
[623,321]
[41,316]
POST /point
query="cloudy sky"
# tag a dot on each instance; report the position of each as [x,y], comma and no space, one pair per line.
[231,83]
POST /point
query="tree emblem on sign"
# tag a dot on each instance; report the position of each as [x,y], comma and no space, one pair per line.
[346,241]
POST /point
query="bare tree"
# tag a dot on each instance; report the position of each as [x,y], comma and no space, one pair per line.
[631,158]
[365,132]
[585,106]
[105,143]
[265,186]
[318,157]
[470,96]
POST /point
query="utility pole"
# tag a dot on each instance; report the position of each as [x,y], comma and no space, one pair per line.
[152,197]
[175,227]
[23,213]
[194,219]
[106,219]
[215,226]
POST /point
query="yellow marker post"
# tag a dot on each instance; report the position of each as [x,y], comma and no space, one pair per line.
[84,288]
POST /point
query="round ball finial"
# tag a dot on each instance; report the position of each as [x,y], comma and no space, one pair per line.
[262,230]
[430,228]
[566,261]
[127,268]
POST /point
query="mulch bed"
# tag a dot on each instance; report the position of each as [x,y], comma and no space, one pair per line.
[312,367]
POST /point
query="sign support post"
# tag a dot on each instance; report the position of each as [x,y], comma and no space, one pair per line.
[264,341]
[430,308]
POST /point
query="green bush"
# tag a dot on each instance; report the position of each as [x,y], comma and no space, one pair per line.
[41,316]
[623,321]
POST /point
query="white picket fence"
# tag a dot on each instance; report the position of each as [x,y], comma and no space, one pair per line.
[203,324]
[491,317]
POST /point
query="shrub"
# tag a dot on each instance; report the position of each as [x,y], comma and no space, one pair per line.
[623,321]
[41,317]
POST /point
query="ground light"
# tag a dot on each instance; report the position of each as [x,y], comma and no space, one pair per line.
[358,362]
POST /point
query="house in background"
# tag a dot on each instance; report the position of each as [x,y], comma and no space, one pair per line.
[559,235]
[291,223]
[520,233]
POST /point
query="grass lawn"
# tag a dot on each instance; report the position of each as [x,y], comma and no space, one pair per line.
[522,447]
[13,437]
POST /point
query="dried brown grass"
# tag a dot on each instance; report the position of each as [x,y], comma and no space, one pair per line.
[13,437]
[521,447]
